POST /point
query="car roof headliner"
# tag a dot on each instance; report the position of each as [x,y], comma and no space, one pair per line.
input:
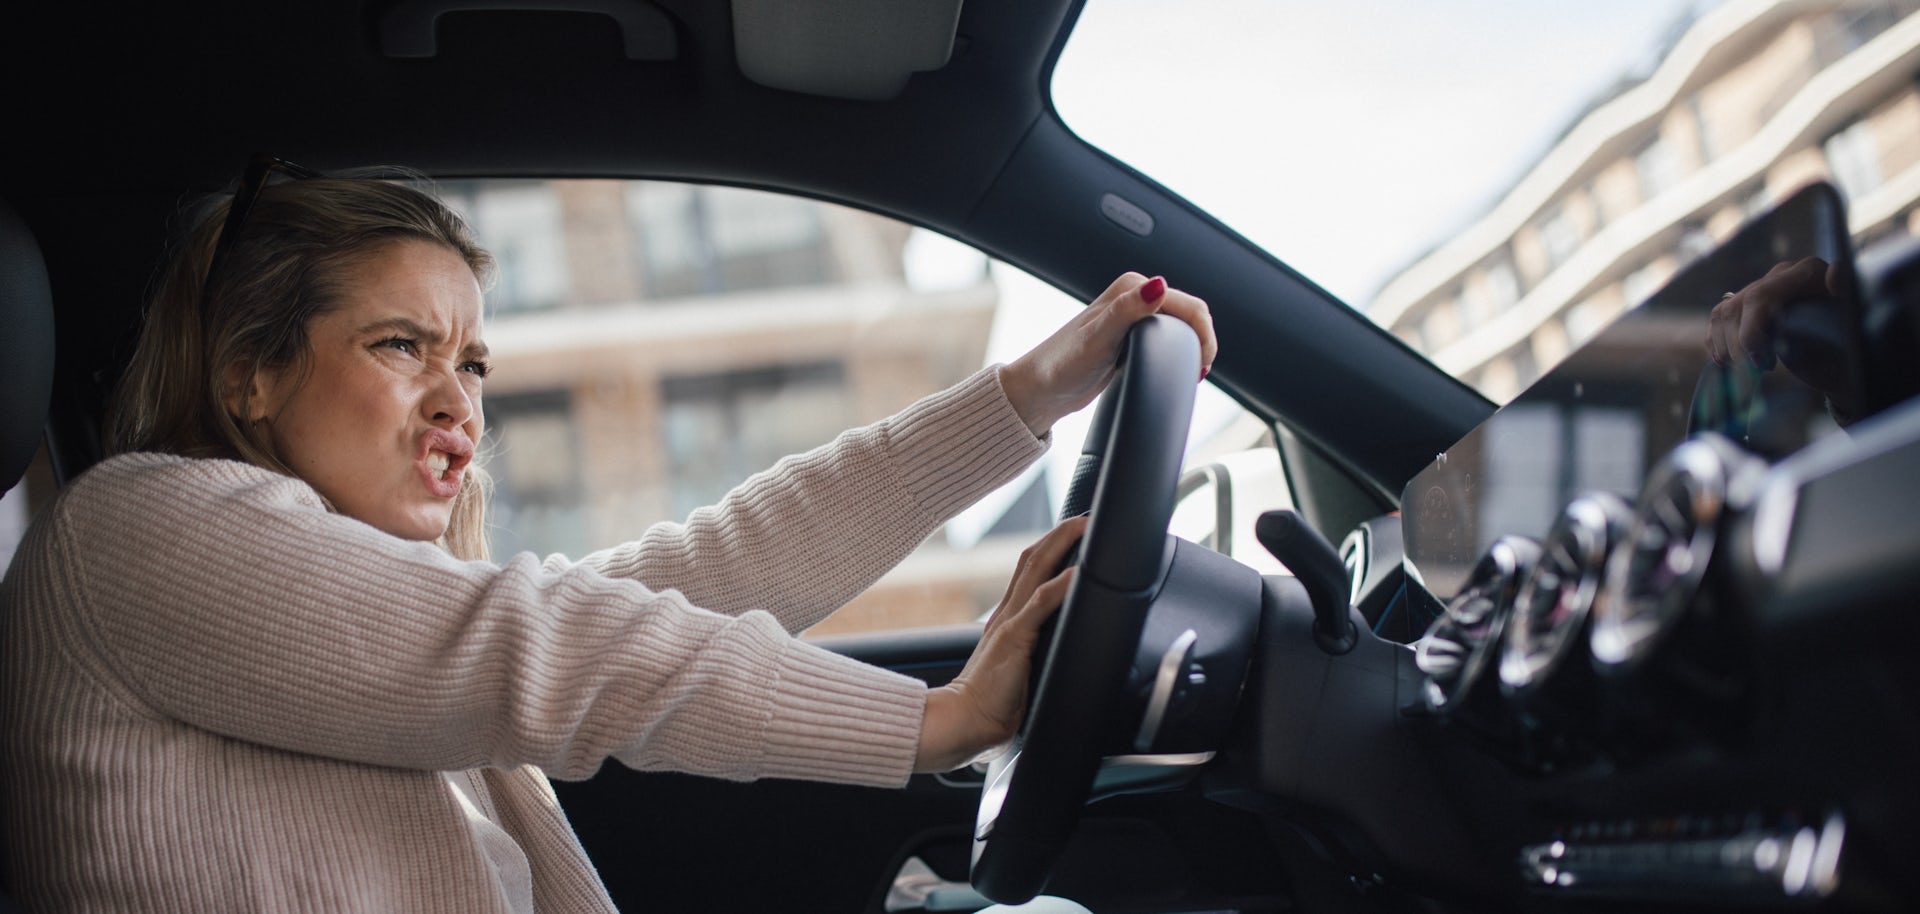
[190,90]
[117,117]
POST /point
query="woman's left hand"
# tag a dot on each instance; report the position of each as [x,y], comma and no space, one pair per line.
[980,710]
[1071,367]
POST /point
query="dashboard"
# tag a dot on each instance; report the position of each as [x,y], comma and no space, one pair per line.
[1661,611]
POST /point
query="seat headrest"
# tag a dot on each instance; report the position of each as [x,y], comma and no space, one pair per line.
[26,346]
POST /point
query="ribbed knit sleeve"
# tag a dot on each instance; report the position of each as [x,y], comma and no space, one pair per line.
[226,597]
[804,537]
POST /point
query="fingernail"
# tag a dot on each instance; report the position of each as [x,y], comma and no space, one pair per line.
[1204,371]
[1151,291]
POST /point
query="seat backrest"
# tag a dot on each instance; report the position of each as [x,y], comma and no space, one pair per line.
[26,373]
[26,346]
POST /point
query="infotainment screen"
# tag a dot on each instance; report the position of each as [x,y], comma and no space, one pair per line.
[1598,420]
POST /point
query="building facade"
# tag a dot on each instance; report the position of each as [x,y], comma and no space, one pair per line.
[1752,101]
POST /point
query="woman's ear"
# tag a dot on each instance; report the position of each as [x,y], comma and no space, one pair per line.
[248,391]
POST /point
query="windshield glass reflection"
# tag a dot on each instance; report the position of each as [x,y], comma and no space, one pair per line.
[1495,182]
[1604,415]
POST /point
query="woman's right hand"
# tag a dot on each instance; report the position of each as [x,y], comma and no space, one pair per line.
[1740,327]
[1068,369]
[980,710]
[1749,327]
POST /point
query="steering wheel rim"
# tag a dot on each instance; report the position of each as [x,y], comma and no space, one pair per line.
[1033,794]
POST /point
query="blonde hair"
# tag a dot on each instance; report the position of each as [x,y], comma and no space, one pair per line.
[283,268]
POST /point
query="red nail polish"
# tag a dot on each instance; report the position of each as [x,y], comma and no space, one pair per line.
[1204,371]
[1151,291]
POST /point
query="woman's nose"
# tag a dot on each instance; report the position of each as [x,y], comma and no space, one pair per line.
[449,403]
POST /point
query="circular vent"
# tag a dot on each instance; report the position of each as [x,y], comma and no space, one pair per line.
[1554,602]
[1456,647]
[1655,574]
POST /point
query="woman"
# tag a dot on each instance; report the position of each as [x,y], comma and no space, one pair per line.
[257,660]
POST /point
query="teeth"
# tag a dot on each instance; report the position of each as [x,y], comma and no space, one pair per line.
[438,462]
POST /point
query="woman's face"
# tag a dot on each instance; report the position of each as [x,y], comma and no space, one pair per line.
[385,421]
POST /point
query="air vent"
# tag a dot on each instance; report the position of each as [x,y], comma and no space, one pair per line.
[1554,605]
[1456,648]
[1655,575]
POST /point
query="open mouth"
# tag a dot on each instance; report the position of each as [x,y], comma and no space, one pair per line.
[440,464]
[444,456]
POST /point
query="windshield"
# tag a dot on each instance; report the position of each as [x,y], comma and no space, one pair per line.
[1495,181]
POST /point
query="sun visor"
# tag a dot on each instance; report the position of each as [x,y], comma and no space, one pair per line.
[855,49]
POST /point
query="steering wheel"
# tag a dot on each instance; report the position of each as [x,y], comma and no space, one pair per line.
[1131,465]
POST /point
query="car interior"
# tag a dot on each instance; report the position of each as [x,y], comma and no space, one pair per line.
[1690,693]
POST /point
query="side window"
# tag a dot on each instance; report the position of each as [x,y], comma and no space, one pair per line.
[705,332]
[1231,477]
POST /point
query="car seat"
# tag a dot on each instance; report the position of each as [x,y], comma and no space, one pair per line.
[26,346]
[26,375]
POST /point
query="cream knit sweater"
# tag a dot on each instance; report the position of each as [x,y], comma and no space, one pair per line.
[217,696]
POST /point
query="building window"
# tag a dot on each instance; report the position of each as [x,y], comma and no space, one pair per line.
[1695,242]
[1582,321]
[538,499]
[1642,283]
[720,428]
[697,239]
[1503,285]
[1597,205]
[1441,326]
[1657,167]
[1497,381]
[1559,236]
[1854,160]
[1526,367]
[1469,309]
[1844,30]
[1565,451]
[1412,336]
[1704,130]
[522,223]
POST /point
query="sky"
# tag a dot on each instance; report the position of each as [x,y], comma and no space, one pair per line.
[1345,137]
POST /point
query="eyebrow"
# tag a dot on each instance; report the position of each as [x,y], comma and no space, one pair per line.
[411,328]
